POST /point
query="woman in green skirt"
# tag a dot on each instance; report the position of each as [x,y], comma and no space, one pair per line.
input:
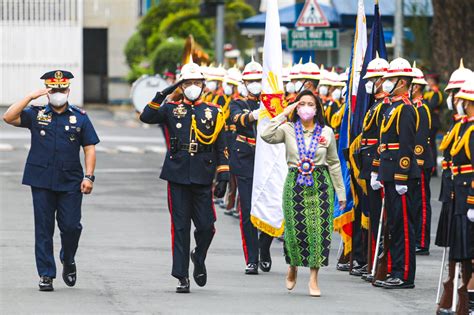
[314,175]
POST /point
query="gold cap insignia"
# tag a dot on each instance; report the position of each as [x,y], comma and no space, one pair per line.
[58,75]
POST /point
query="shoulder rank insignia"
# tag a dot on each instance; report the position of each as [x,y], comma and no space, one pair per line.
[179,111]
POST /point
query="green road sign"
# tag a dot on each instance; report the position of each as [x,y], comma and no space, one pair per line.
[316,39]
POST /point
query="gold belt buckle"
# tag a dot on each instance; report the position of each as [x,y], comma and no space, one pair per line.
[193,147]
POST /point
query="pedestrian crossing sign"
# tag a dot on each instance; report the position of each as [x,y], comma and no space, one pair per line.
[312,15]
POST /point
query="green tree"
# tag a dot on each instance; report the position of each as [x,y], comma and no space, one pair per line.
[167,56]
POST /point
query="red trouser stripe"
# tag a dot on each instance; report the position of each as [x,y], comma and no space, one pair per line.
[407,240]
[244,243]
[423,209]
[170,207]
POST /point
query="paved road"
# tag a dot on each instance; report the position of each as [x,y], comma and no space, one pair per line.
[124,257]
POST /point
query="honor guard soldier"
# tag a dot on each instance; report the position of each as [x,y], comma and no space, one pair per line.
[54,171]
[214,82]
[434,99]
[231,89]
[294,77]
[372,201]
[309,78]
[461,243]
[333,103]
[425,160]
[197,150]
[323,88]
[399,173]
[446,195]
[244,114]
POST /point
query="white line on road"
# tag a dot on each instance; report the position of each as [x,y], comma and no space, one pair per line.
[6,147]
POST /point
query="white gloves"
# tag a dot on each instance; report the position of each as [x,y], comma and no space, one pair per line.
[374,182]
[256,113]
[401,189]
[470,215]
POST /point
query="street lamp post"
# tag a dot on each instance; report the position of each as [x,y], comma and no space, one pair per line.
[219,44]
[398,49]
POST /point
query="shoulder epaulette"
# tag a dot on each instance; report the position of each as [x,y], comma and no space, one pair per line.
[77,109]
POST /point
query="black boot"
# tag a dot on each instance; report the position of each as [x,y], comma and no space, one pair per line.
[251,269]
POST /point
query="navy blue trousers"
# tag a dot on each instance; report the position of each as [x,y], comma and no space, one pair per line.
[66,208]
[188,203]
[401,223]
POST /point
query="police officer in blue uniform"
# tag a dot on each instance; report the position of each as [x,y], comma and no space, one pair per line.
[54,171]
[244,114]
[196,151]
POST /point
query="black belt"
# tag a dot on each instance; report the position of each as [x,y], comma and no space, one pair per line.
[196,147]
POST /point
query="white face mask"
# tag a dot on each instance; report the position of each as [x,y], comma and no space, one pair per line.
[192,92]
[242,90]
[299,86]
[460,107]
[228,89]
[388,86]
[323,90]
[211,85]
[369,87]
[336,94]
[449,102]
[58,99]
[255,88]
[290,87]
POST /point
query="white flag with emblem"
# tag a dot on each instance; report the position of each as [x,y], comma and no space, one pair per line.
[270,163]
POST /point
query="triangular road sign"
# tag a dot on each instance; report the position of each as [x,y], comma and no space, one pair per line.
[312,15]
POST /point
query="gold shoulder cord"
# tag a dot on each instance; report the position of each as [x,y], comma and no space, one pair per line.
[462,142]
[428,113]
[226,107]
[368,124]
[336,119]
[386,126]
[208,139]
[448,137]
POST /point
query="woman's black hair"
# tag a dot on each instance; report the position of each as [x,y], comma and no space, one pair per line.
[318,118]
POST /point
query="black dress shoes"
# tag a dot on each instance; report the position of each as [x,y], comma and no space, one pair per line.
[368,277]
[265,266]
[422,251]
[343,267]
[251,269]
[396,283]
[199,273]
[359,271]
[69,274]
[46,284]
[183,286]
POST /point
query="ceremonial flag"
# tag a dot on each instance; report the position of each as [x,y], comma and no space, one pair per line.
[270,162]
[376,45]
[343,218]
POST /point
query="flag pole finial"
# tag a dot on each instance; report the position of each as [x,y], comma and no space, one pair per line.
[461,64]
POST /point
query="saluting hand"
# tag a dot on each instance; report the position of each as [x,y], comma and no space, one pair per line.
[38,93]
[289,109]
[86,186]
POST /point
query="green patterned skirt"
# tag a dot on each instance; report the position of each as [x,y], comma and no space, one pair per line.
[308,215]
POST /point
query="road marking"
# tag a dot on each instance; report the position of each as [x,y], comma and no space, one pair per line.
[129,149]
[155,149]
[6,147]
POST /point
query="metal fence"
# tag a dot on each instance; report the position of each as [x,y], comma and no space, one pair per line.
[38,36]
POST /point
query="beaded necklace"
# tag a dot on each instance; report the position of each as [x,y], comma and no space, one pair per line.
[306,164]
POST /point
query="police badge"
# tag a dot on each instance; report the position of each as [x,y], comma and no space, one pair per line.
[179,111]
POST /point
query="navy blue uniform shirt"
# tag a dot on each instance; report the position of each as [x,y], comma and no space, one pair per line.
[53,161]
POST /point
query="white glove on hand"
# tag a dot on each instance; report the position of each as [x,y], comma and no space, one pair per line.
[470,215]
[401,189]
[374,183]
[256,113]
